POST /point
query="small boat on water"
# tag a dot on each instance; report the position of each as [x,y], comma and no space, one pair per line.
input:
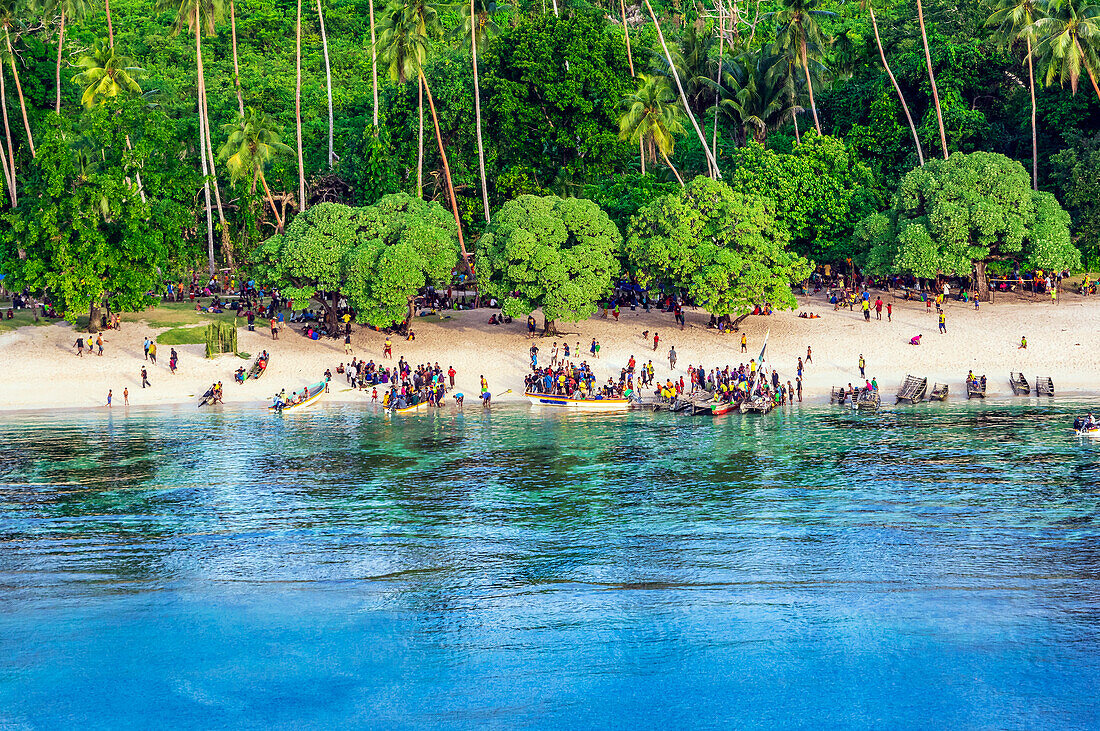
[912,390]
[723,407]
[1044,386]
[975,387]
[580,404]
[413,408]
[312,395]
[1019,384]
[939,392]
[1083,428]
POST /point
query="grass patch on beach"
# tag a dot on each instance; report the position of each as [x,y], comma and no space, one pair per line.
[176,314]
[193,335]
[21,318]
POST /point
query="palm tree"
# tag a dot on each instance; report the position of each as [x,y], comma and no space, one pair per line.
[105,75]
[683,97]
[253,141]
[9,12]
[1015,19]
[756,100]
[69,10]
[328,82]
[1069,36]
[797,32]
[10,170]
[626,32]
[199,16]
[932,78]
[298,107]
[110,26]
[236,65]
[477,27]
[373,63]
[652,120]
[870,6]
[781,72]
[407,27]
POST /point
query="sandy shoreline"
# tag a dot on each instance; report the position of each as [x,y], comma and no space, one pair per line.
[41,371]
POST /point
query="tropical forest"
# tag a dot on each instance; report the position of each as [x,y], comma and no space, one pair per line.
[374,147]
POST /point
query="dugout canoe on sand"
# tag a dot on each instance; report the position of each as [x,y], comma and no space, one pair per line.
[580,404]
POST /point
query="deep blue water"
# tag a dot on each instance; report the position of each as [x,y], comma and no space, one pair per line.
[934,566]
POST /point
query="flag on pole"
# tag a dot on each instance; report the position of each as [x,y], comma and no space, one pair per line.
[769,332]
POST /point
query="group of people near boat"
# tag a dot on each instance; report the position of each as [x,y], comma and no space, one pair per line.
[1086,423]
[743,382]
[426,383]
[577,381]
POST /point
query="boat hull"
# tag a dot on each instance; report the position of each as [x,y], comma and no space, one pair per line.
[545,399]
[315,393]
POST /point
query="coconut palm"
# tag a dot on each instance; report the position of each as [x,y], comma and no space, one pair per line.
[236,65]
[782,71]
[10,20]
[106,75]
[932,78]
[683,97]
[652,120]
[1070,42]
[68,10]
[328,82]
[1015,20]
[373,63]
[407,28]
[755,100]
[869,5]
[799,32]
[253,141]
[476,27]
[200,16]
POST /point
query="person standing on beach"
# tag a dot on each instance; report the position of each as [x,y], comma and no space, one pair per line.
[596,350]
[347,344]
[451,374]
[672,358]
[656,339]
[744,343]
[535,355]
[145,347]
[109,394]
[554,355]
[99,343]
[866,311]
[274,329]
[943,323]
[862,366]
[484,385]
[125,396]
[145,378]
[800,368]
[809,355]
[79,345]
[878,308]
[798,386]
[387,349]
[889,311]
[173,359]
[152,352]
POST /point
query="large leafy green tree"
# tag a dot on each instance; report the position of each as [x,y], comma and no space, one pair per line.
[557,255]
[84,235]
[378,256]
[723,247]
[955,216]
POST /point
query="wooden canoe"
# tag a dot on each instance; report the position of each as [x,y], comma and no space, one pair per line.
[605,404]
[313,394]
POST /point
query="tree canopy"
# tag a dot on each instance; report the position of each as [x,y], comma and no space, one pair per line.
[955,216]
[557,255]
[723,247]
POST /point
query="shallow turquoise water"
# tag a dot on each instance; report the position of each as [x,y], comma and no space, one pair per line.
[932,567]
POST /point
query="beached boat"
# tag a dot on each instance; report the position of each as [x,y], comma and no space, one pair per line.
[1044,386]
[313,393]
[868,400]
[412,409]
[591,404]
[975,387]
[1019,384]
[208,398]
[939,392]
[759,405]
[259,367]
[838,395]
[723,407]
[912,390]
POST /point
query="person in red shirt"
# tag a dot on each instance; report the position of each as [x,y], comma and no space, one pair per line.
[889,311]
[878,308]
[451,374]
[656,339]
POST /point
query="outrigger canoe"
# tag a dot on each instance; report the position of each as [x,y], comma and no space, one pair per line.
[581,404]
[313,393]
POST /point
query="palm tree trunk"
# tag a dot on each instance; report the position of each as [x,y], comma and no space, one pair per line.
[420,141]
[641,153]
[672,167]
[298,108]
[626,32]
[7,135]
[373,62]
[8,183]
[897,88]
[556,11]
[202,147]
[683,96]
[1034,137]
[477,110]
[236,66]
[227,245]
[1088,69]
[810,86]
[718,78]
[110,28]
[271,202]
[328,82]
[19,90]
[794,112]
[932,78]
[60,44]
[447,174]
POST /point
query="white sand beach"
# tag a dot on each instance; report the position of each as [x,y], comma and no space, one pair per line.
[40,369]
